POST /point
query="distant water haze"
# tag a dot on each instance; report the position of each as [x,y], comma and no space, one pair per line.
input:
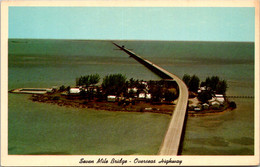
[36,128]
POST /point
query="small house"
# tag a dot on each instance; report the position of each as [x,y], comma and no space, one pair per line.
[111,98]
[201,89]
[205,106]
[49,90]
[215,105]
[197,109]
[141,96]
[220,98]
[148,95]
[144,82]
[74,91]
[134,90]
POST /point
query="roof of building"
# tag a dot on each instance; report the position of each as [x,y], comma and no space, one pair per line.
[74,90]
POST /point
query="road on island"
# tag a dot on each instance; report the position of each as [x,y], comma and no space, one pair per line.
[172,139]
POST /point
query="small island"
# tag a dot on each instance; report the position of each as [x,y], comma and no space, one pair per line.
[116,93]
[207,97]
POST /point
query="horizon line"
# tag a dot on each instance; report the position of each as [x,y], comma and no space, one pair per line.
[128,40]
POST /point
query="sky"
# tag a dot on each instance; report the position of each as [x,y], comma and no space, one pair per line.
[133,23]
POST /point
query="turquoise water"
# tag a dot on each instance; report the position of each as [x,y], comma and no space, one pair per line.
[36,128]
[231,133]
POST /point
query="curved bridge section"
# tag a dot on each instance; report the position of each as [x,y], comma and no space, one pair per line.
[172,139]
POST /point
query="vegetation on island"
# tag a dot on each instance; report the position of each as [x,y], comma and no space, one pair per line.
[213,84]
[114,84]
[210,94]
[115,93]
[192,82]
[118,85]
[88,80]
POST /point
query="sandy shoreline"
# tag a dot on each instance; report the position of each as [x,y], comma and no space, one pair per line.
[209,113]
[140,106]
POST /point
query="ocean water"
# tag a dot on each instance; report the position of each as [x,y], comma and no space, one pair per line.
[36,128]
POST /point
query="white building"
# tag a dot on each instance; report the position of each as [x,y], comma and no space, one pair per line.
[141,96]
[148,96]
[144,82]
[205,106]
[132,89]
[74,90]
[197,109]
[215,104]
[201,89]
[218,98]
[111,98]
[50,90]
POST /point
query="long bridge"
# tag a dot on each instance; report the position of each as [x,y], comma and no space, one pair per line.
[172,139]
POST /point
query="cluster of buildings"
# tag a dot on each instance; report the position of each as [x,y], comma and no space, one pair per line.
[133,93]
[77,90]
[160,92]
[216,102]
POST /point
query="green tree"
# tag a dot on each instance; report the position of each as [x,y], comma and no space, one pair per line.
[186,79]
[170,94]
[194,83]
[114,84]
[83,94]
[191,82]
[202,84]
[131,82]
[62,88]
[99,95]
[217,85]
[94,79]
[83,80]
[221,87]
[68,88]
[157,92]
[207,82]
[214,82]
[204,96]
[233,105]
[88,80]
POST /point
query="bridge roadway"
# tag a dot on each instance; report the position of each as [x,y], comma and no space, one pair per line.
[172,139]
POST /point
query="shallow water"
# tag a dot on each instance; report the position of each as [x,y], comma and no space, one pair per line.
[36,128]
[229,133]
